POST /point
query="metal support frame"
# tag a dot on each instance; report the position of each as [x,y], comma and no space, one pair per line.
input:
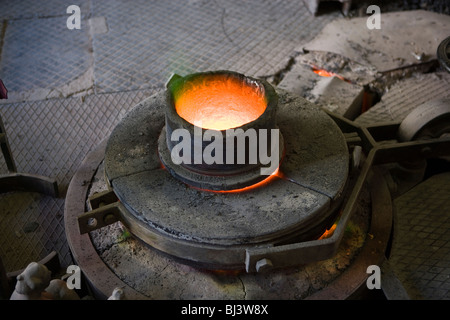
[103,280]
[99,276]
[379,144]
[105,210]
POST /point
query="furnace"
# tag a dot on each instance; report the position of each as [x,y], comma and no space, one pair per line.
[209,215]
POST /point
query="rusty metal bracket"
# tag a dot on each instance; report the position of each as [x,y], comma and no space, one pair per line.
[28,183]
[100,199]
[99,218]
[105,210]
[381,146]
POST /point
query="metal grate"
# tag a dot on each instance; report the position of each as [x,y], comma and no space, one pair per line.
[31,226]
[406,95]
[51,138]
[42,53]
[421,246]
[147,42]
[26,9]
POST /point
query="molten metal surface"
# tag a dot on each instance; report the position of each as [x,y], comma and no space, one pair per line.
[220,104]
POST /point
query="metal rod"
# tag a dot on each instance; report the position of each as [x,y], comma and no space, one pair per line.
[6,149]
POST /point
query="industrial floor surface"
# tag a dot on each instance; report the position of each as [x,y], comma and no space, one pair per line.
[67,89]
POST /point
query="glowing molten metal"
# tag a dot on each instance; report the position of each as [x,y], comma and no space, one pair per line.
[274,176]
[325,73]
[220,104]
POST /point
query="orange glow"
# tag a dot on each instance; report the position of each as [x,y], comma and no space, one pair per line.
[329,232]
[325,73]
[220,104]
[277,174]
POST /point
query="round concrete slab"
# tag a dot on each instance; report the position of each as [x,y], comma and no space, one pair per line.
[202,225]
[111,258]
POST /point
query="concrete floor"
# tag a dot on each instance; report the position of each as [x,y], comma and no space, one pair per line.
[67,89]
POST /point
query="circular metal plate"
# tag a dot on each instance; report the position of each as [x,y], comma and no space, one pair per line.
[216,228]
[146,274]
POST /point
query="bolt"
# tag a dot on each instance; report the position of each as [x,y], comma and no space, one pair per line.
[263,265]
[109,218]
[92,222]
